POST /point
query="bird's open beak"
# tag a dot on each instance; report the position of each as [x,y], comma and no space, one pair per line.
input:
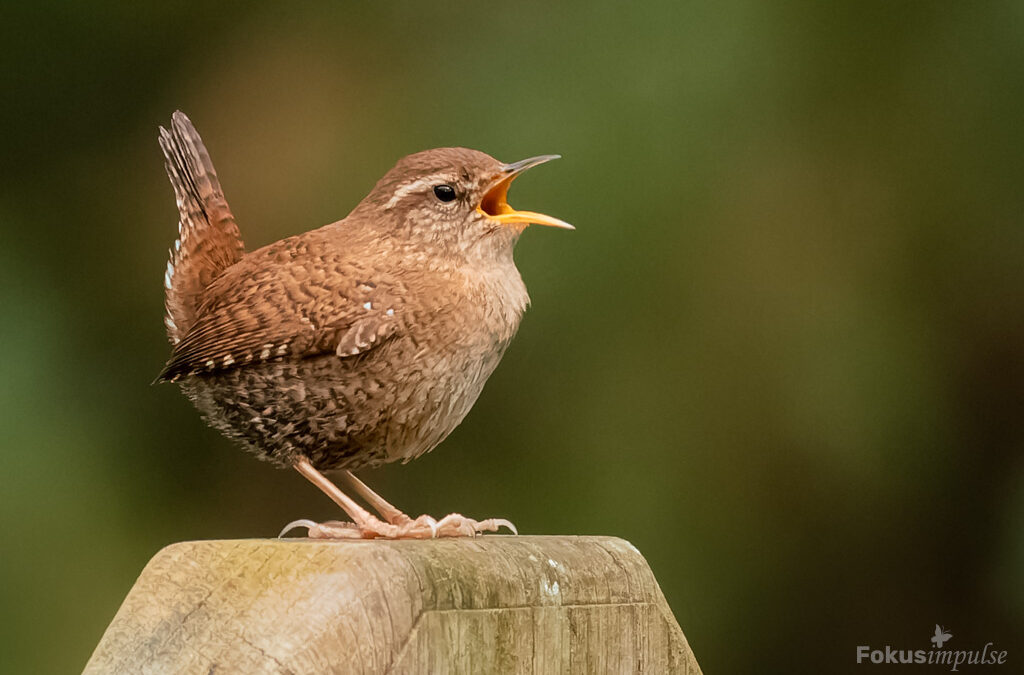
[495,206]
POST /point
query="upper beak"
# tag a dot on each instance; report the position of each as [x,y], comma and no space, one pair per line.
[495,206]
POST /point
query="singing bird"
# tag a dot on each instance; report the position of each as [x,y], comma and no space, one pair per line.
[363,342]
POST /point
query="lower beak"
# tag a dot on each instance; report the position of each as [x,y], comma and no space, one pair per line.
[495,206]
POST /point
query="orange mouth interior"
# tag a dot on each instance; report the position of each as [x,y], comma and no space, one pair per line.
[495,206]
[495,201]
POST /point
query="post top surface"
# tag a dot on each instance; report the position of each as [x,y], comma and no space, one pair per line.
[374,605]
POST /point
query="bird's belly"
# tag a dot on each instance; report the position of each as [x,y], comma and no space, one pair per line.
[347,413]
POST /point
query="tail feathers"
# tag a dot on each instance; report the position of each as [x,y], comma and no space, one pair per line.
[208,238]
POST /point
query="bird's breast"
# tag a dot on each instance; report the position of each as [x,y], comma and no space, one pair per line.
[451,343]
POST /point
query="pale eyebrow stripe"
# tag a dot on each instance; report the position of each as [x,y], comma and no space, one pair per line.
[404,191]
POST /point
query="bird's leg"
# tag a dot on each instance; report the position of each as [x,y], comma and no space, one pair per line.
[365,525]
[388,512]
[452,525]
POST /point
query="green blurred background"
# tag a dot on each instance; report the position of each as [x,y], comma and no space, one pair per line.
[783,353]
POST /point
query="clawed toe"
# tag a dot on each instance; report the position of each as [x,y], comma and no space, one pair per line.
[495,524]
[301,522]
[331,529]
[457,525]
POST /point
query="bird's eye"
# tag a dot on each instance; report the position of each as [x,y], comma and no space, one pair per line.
[445,193]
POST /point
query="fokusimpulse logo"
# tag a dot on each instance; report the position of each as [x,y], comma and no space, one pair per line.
[954,658]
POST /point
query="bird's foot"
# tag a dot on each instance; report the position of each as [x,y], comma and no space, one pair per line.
[396,525]
[424,527]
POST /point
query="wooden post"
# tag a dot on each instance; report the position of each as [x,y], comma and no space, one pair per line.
[494,604]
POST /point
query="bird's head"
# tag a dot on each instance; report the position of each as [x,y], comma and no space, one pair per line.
[454,200]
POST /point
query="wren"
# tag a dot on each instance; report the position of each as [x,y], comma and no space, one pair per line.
[363,342]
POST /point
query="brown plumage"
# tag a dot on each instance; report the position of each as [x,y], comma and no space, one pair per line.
[362,342]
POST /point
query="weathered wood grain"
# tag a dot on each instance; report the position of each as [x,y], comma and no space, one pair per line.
[495,604]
